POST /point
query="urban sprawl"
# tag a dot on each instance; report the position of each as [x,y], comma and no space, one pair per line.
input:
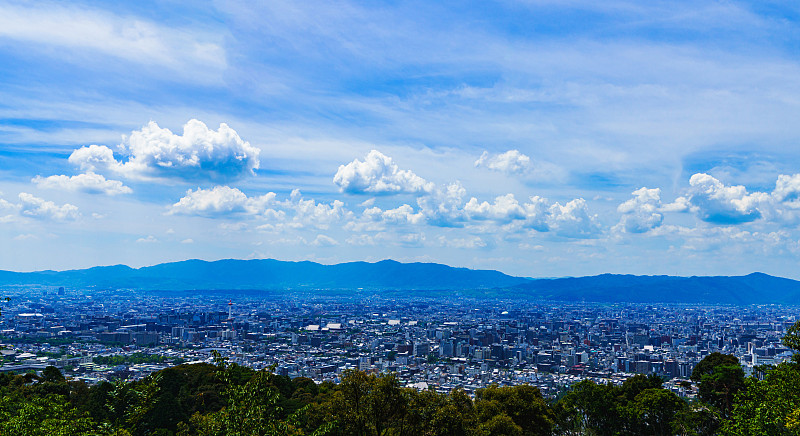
[430,343]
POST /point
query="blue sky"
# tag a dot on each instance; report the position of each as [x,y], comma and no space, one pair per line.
[539,138]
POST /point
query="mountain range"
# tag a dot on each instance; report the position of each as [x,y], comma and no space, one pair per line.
[415,279]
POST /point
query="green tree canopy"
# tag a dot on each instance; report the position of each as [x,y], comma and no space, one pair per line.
[720,378]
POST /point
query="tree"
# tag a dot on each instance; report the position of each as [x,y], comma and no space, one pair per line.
[655,411]
[638,383]
[720,378]
[42,416]
[590,408]
[501,425]
[769,406]
[51,374]
[792,340]
[523,404]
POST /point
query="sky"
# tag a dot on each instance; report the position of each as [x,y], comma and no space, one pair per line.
[539,138]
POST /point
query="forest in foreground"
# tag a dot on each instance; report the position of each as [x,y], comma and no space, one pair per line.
[227,399]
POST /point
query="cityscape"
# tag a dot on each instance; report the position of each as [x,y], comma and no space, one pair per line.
[468,344]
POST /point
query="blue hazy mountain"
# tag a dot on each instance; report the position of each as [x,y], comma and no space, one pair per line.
[409,279]
[270,274]
[756,288]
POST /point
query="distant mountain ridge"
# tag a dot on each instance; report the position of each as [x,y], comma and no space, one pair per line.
[755,288]
[412,279]
[270,274]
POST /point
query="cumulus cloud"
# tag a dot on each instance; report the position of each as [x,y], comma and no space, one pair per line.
[787,190]
[642,212]
[510,162]
[504,209]
[716,203]
[573,220]
[443,207]
[402,214]
[221,201]
[227,202]
[446,208]
[570,220]
[36,207]
[150,239]
[378,174]
[91,183]
[156,153]
[94,157]
[319,215]
[537,212]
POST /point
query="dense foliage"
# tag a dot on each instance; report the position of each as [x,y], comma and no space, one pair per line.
[227,399]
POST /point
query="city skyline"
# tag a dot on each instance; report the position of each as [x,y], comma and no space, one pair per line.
[538,139]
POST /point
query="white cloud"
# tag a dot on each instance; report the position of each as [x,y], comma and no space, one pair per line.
[385,239]
[130,38]
[94,157]
[443,207]
[6,207]
[187,241]
[292,213]
[468,243]
[221,201]
[319,215]
[537,212]
[787,190]
[361,239]
[399,215]
[378,174]
[510,162]
[642,212]
[150,239]
[279,227]
[504,209]
[368,203]
[716,203]
[91,183]
[36,207]
[731,239]
[681,204]
[25,236]
[324,241]
[411,239]
[573,220]
[156,153]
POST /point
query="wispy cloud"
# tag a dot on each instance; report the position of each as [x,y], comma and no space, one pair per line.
[131,38]
[89,182]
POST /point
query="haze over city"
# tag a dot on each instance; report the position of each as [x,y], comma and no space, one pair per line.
[536,138]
